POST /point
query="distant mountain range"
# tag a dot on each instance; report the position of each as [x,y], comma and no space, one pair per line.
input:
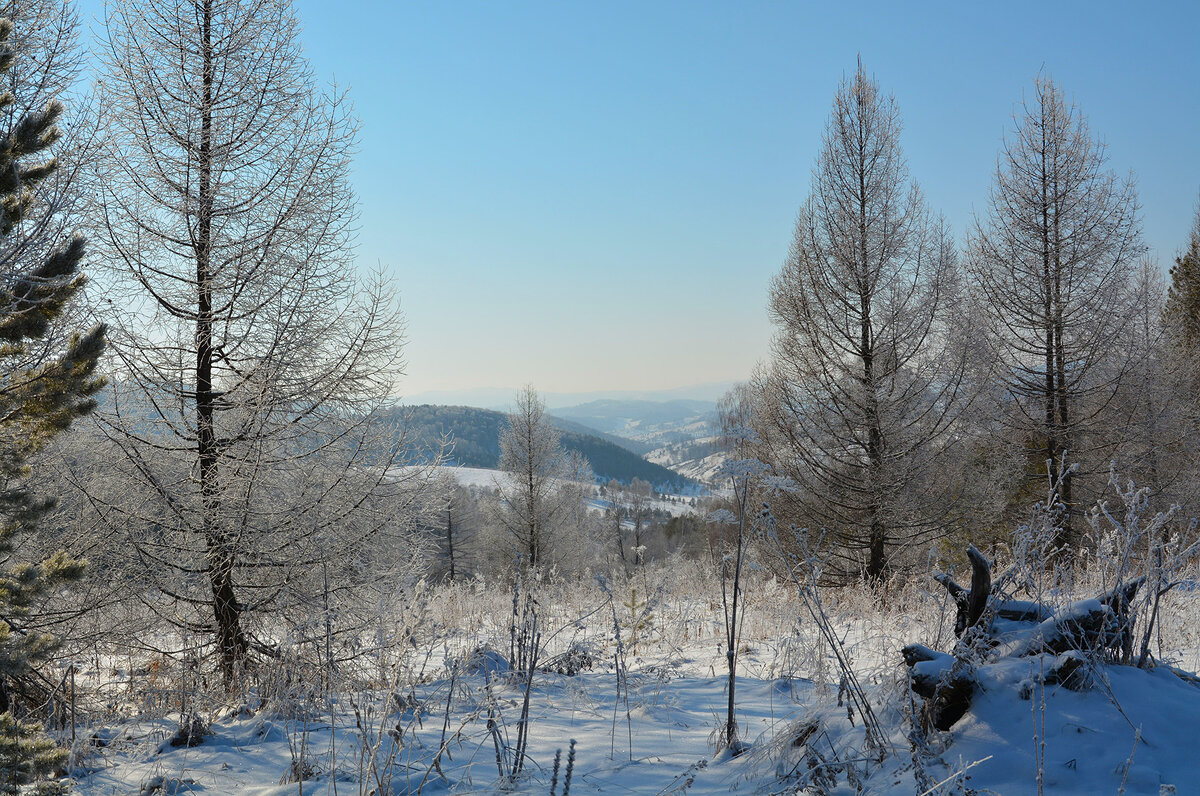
[655,422]
[502,398]
[475,434]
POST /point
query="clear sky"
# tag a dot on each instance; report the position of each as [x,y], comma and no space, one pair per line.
[588,196]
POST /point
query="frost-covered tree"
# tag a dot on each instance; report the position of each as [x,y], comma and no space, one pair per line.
[863,381]
[46,383]
[447,516]
[250,357]
[1155,415]
[1151,430]
[461,525]
[577,542]
[615,516]
[634,504]
[1055,257]
[533,500]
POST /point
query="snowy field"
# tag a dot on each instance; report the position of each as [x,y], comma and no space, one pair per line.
[482,478]
[437,709]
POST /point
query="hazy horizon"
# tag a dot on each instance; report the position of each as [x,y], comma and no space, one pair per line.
[502,398]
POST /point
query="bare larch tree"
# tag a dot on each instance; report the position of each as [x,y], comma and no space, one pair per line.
[250,357]
[863,381]
[1055,258]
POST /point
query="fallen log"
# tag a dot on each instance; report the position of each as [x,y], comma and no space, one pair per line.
[915,653]
[1079,626]
[952,698]
[1073,635]
[927,668]
[1098,625]
[945,683]
[1071,670]
[1022,611]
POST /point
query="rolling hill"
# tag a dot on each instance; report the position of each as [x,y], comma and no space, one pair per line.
[679,434]
[476,443]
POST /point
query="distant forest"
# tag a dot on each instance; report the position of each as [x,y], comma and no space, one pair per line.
[475,434]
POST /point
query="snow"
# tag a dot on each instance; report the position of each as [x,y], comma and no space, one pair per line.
[696,458]
[478,477]
[671,719]
[1131,728]
[1089,736]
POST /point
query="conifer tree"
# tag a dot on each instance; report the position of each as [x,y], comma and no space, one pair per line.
[1183,296]
[45,383]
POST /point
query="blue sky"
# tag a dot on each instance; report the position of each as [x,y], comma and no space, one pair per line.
[588,196]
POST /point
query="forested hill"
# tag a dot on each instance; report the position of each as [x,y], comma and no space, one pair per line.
[476,437]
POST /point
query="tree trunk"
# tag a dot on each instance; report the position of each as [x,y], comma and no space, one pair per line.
[1066,533]
[450,539]
[876,562]
[620,540]
[1048,307]
[731,739]
[877,533]
[231,642]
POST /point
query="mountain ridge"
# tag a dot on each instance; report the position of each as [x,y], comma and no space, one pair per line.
[476,443]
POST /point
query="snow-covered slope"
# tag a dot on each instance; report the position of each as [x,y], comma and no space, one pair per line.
[696,459]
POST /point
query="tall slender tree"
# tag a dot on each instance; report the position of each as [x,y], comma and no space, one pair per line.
[863,382]
[1055,258]
[250,357]
[46,383]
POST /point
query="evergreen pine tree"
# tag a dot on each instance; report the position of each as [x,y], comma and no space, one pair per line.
[45,383]
[1183,297]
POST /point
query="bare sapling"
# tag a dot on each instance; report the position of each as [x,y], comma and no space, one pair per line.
[528,648]
[621,673]
[741,474]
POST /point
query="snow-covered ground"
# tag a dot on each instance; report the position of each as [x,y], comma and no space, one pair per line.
[481,478]
[670,721]
[429,714]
